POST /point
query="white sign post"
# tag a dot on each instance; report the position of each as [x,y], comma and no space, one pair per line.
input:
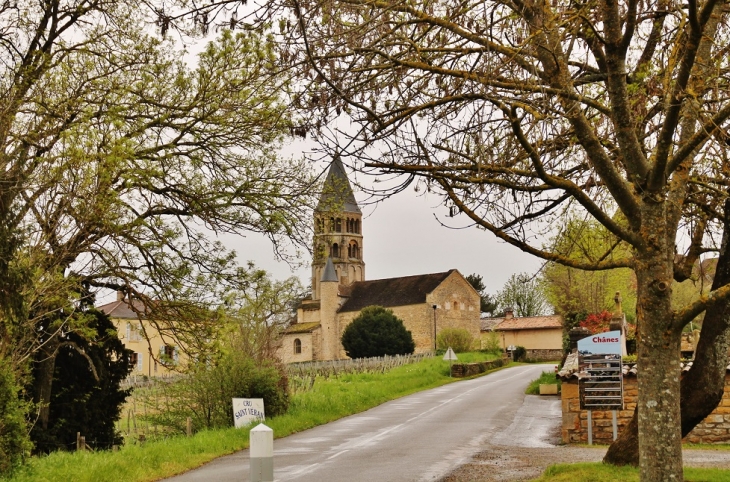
[451,356]
[247,411]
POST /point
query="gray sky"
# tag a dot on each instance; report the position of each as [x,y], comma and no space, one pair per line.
[401,237]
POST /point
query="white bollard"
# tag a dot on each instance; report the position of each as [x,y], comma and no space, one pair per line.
[262,454]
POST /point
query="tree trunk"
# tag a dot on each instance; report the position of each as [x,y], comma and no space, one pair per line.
[659,419]
[43,380]
[702,385]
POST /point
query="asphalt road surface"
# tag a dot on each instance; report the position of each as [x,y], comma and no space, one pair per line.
[421,437]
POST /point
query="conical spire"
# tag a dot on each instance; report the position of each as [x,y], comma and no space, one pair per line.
[337,193]
[329,274]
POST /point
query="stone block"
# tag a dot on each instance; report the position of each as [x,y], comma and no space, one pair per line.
[548,389]
[571,421]
[714,418]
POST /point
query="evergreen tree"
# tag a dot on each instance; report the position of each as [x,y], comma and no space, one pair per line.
[376,331]
[86,396]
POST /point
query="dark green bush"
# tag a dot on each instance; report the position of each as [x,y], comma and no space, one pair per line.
[376,331]
[459,339]
[519,353]
[80,402]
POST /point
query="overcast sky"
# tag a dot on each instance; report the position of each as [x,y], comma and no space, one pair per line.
[401,237]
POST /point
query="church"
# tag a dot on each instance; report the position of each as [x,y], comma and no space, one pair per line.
[426,303]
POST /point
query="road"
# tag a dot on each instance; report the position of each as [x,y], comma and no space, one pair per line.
[421,437]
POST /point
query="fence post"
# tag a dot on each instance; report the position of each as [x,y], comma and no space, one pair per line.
[78,441]
[189,427]
[261,454]
[83,443]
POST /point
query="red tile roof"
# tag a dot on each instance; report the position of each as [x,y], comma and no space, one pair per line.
[531,323]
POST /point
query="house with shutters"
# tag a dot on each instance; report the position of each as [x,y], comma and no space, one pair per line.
[153,356]
[426,303]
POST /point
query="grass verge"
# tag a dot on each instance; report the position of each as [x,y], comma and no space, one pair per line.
[330,399]
[545,378]
[598,472]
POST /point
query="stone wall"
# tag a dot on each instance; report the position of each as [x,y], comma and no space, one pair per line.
[714,429]
[286,349]
[461,370]
[544,355]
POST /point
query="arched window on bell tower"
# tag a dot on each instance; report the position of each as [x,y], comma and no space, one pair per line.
[353,250]
[335,251]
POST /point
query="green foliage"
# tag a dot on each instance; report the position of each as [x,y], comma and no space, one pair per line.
[459,339]
[492,344]
[80,402]
[545,378]
[523,294]
[376,331]
[571,290]
[205,393]
[570,321]
[14,441]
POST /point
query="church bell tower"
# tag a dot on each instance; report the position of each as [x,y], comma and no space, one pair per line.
[337,231]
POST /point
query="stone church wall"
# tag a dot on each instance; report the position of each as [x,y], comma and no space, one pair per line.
[286,349]
[458,306]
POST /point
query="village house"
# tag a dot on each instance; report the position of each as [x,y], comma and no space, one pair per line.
[132,327]
[541,336]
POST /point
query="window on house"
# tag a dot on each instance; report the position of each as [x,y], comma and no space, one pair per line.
[456,305]
[297,346]
[133,332]
[169,354]
[133,359]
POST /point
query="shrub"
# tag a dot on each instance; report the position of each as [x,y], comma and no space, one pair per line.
[14,441]
[459,339]
[376,331]
[492,344]
[519,353]
[206,394]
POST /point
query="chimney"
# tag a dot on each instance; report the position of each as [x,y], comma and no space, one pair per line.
[508,313]
[120,295]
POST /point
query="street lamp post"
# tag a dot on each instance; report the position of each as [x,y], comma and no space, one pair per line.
[434,327]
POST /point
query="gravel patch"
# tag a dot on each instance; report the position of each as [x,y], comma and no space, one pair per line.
[522,461]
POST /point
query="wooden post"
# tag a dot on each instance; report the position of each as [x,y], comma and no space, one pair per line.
[82,445]
[78,441]
[189,427]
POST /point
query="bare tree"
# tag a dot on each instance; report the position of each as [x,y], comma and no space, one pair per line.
[520,112]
